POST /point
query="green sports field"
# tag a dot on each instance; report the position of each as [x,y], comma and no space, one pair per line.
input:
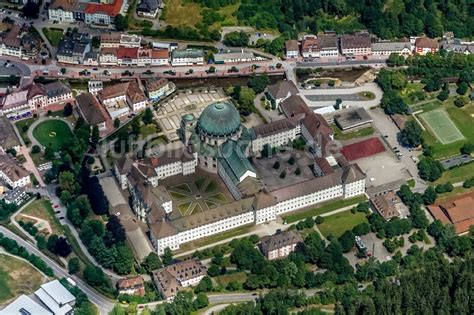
[441,126]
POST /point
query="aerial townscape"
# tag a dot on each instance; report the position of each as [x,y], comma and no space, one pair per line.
[171,157]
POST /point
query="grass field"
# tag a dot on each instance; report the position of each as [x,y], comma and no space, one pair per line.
[17,277]
[463,119]
[441,126]
[224,280]
[53,35]
[338,223]
[53,132]
[338,135]
[180,12]
[42,209]
[457,174]
[323,208]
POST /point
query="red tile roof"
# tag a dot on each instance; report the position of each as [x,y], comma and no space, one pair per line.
[112,9]
[459,212]
[124,52]
[160,54]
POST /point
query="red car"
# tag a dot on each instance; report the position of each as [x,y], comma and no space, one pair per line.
[56,206]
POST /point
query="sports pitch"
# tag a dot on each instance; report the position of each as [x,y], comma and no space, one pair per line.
[441,126]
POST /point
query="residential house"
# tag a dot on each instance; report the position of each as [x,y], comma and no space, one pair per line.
[424,45]
[148,8]
[280,91]
[12,173]
[127,56]
[389,205]
[280,245]
[187,57]
[173,278]
[108,56]
[131,286]
[316,47]
[95,86]
[57,93]
[158,88]
[144,57]
[15,105]
[90,109]
[456,45]
[159,57]
[72,49]
[56,297]
[292,49]
[102,13]
[91,59]
[356,45]
[114,40]
[114,99]
[10,42]
[62,11]
[388,48]
[136,98]
[15,196]
[37,97]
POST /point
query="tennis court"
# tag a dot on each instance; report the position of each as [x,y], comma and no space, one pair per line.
[441,126]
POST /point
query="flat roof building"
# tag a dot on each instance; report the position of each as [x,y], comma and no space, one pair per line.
[353,119]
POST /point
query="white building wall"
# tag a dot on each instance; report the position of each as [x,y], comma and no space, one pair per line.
[61,16]
[276,140]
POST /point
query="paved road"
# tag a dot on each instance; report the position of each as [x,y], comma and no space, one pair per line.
[105,305]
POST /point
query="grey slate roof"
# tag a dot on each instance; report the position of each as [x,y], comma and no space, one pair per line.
[279,240]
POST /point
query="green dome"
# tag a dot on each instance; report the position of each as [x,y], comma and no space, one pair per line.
[219,119]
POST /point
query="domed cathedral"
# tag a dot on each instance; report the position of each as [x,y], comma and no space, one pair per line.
[217,124]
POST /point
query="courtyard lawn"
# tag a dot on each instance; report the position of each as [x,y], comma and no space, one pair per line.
[43,209]
[457,174]
[53,35]
[324,208]
[338,135]
[17,277]
[52,133]
[338,223]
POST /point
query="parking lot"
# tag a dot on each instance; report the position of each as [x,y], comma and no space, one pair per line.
[375,246]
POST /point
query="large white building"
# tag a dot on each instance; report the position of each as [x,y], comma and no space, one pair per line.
[388,48]
[56,297]
[222,145]
[187,57]
[356,45]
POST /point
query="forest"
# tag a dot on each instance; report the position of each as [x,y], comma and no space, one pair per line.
[387,19]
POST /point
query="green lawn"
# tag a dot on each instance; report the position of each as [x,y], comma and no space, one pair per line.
[53,35]
[338,223]
[224,280]
[323,208]
[457,174]
[338,135]
[53,133]
[17,277]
